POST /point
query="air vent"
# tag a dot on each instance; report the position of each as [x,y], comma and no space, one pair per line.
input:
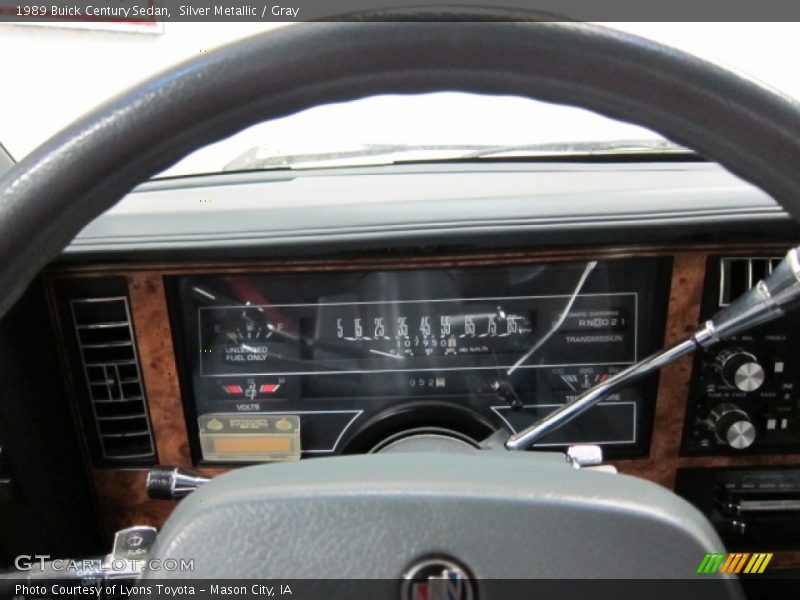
[111,370]
[739,274]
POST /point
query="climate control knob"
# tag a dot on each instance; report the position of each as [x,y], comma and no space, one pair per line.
[740,370]
[733,426]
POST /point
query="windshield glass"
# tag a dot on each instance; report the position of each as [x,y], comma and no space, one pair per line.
[371,131]
[385,129]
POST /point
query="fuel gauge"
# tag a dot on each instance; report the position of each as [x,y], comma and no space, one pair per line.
[244,342]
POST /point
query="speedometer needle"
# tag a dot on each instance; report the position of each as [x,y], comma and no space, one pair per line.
[386,354]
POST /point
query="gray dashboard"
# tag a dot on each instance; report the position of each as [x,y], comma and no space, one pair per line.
[435,201]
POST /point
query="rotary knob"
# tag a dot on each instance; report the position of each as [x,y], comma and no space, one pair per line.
[733,426]
[740,370]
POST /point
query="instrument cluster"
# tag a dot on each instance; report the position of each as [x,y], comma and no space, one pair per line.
[279,366]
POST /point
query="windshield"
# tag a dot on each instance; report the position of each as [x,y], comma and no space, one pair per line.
[386,129]
[378,130]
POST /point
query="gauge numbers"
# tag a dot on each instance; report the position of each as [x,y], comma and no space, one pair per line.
[432,334]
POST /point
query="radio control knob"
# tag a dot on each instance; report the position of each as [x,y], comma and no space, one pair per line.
[740,370]
[733,426]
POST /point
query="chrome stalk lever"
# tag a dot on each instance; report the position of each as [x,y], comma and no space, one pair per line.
[767,300]
[172,483]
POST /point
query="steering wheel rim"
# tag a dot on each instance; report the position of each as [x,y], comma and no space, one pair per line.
[50,195]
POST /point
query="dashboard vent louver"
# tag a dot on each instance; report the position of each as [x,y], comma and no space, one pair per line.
[739,274]
[111,370]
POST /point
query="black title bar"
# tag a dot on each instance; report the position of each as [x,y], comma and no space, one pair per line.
[160,11]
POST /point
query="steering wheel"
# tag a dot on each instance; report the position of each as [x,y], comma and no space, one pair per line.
[501,515]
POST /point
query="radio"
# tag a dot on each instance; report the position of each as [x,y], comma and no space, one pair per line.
[745,396]
[750,508]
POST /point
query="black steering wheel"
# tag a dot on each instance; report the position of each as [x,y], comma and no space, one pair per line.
[373,516]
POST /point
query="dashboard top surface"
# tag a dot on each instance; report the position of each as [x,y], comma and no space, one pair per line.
[534,202]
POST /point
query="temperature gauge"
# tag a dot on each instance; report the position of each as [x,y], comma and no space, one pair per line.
[575,380]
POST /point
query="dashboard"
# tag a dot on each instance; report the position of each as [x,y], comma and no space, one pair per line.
[178,346]
[246,362]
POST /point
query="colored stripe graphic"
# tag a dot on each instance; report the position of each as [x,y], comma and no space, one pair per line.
[711,563]
[758,563]
[735,562]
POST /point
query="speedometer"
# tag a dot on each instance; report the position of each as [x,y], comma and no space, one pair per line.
[431,328]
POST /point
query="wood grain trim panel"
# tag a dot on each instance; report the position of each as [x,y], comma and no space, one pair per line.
[121,492]
[686,291]
[160,372]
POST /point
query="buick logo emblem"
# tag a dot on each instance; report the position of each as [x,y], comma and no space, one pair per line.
[437,579]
